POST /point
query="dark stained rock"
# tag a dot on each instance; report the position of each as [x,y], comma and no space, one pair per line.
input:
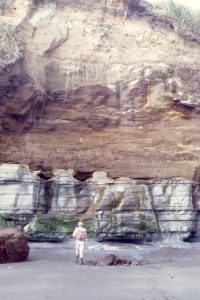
[13,246]
[112,259]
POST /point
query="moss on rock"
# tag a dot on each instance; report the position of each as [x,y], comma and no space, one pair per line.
[6,220]
[52,226]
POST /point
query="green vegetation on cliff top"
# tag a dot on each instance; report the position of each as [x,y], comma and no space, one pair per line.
[186,21]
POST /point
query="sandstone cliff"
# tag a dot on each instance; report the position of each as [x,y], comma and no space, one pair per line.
[101,86]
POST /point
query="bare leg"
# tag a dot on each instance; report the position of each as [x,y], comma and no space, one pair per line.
[81,253]
[77,253]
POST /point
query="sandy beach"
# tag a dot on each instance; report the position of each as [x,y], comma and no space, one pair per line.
[51,273]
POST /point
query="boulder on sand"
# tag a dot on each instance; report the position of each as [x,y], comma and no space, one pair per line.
[13,246]
[112,259]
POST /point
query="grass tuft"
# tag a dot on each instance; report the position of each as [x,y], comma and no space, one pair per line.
[186,21]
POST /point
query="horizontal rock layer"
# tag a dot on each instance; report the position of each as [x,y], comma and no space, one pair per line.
[111,208]
[107,89]
[91,90]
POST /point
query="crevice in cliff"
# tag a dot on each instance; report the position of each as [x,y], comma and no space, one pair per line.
[46,174]
[83,176]
[48,195]
[196,201]
[157,225]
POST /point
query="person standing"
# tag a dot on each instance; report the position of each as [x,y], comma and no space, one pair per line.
[80,234]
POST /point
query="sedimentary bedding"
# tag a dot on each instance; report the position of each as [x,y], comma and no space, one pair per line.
[118,208]
[107,94]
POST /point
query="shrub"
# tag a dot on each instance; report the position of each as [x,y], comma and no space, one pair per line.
[9,49]
[186,21]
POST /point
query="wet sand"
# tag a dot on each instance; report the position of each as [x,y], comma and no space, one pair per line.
[51,273]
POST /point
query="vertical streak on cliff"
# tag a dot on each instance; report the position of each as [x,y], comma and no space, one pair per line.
[48,194]
[149,188]
[195,191]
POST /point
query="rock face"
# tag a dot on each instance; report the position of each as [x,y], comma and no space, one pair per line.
[101,100]
[121,208]
[20,191]
[132,118]
[13,246]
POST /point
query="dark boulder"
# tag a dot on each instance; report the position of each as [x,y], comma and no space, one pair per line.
[13,246]
[112,259]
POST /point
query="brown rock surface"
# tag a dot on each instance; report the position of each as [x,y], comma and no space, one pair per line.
[92,92]
[143,148]
[13,246]
[112,259]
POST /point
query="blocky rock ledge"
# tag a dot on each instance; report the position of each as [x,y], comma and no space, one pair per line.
[123,208]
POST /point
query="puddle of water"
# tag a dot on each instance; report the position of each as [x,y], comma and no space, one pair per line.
[92,245]
[177,241]
[121,249]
